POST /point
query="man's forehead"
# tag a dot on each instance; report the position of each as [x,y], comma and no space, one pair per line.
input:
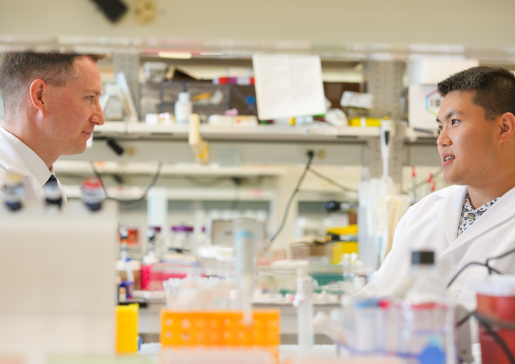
[455,103]
[88,74]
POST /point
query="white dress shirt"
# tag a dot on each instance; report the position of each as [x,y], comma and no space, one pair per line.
[16,157]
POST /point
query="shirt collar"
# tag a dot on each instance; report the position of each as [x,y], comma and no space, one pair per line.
[32,161]
[468,206]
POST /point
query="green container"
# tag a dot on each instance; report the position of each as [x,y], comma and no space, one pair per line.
[324,279]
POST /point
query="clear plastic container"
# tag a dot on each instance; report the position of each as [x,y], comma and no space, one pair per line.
[182,238]
[369,326]
[424,332]
[424,320]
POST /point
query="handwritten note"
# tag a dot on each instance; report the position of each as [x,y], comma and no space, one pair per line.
[288,86]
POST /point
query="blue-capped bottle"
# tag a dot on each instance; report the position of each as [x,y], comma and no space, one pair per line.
[54,197]
[424,320]
[13,191]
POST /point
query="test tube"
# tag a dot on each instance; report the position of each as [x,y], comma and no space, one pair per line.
[304,303]
[245,262]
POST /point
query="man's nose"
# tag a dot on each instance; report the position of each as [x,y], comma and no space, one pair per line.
[98,116]
[443,139]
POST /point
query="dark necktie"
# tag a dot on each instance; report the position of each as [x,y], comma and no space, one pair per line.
[51,179]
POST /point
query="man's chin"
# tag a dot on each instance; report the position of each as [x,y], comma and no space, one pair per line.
[453,179]
[79,149]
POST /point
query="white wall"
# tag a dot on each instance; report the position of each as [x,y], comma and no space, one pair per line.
[486,23]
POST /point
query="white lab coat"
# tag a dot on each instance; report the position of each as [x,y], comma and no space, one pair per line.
[13,160]
[432,224]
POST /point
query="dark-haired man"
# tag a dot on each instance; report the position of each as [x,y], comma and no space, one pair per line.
[474,219]
[51,103]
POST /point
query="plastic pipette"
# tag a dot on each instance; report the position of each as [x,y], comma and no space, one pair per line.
[428,185]
[245,262]
[413,192]
[304,303]
[386,136]
[433,186]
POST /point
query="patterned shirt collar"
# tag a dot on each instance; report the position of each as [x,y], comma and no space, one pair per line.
[469,215]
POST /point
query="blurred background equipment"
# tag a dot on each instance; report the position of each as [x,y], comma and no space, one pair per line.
[112,9]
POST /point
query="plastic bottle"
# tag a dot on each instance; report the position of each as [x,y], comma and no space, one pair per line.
[13,191]
[159,248]
[426,286]
[150,258]
[125,261]
[183,238]
[54,197]
[183,108]
[92,193]
[425,318]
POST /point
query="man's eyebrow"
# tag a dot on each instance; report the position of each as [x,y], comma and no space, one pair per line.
[449,114]
[96,92]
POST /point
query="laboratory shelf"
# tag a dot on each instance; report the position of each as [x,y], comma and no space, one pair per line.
[209,194]
[182,194]
[226,132]
[149,318]
[179,169]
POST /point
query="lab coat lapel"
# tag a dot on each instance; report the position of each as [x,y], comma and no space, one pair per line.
[448,211]
[499,212]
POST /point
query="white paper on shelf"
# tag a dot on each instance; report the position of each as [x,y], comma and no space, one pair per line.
[288,86]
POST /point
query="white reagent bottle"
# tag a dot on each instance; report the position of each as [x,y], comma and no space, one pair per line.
[183,108]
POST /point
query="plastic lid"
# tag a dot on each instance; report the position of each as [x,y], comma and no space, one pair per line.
[91,183]
[184,96]
[52,191]
[290,264]
[494,286]
[182,229]
[124,232]
[423,257]
[157,229]
[12,178]
[367,303]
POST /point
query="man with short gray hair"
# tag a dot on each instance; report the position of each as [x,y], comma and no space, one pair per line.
[51,103]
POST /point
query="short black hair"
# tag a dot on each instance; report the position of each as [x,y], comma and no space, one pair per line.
[494,88]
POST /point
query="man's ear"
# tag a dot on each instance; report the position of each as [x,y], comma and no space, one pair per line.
[507,122]
[37,91]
